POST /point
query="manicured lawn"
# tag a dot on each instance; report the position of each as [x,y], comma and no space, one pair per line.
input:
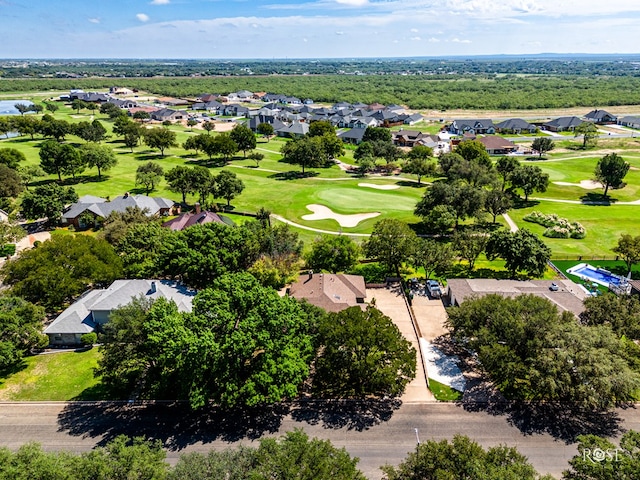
[55,377]
[604,225]
[444,393]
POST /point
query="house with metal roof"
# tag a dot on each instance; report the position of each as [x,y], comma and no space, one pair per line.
[91,311]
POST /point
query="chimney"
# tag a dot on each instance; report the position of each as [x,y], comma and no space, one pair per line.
[310,274]
[153,288]
[197,205]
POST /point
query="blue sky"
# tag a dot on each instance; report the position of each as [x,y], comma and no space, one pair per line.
[314,28]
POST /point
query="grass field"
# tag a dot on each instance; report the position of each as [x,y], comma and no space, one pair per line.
[54,377]
[444,393]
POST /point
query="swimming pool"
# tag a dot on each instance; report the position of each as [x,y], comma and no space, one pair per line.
[596,274]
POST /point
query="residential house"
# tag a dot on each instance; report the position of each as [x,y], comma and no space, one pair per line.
[406,138]
[568,296]
[413,119]
[173,102]
[167,114]
[97,207]
[241,96]
[353,135]
[473,127]
[120,91]
[600,117]
[497,145]
[295,130]
[515,126]
[93,97]
[562,124]
[92,310]
[198,217]
[632,122]
[330,291]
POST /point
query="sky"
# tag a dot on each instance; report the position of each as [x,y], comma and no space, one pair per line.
[234,29]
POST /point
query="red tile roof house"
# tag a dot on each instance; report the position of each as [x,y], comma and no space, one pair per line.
[330,291]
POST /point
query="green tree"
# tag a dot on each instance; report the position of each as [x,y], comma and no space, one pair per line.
[521,251]
[70,160]
[533,353]
[78,105]
[461,458]
[117,224]
[27,125]
[10,182]
[22,108]
[610,171]
[256,157]
[209,126]
[62,268]
[474,151]
[600,459]
[266,130]
[90,131]
[51,158]
[243,136]
[589,133]
[463,199]
[363,353]
[192,122]
[160,138]
[440,219]
[52,107]
[497,202]
[111,110]
[372,134]
[542,145]
[434,257]
[141,115]
[334,253]
[530,179]
[203,183]
[227,186]
[320,128]
[620,312]
[56,129]
[36,108]
[391,243]
[628,248]
[224,145]
[149,175]
[305,151]
[469,245]
[47,201]
[20,330]
[11,157]
[364,150]
[420,163]
[180,180]
[30,172]
[98,156]
[505,166]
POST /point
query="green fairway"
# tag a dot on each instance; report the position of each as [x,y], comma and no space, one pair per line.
[54,377]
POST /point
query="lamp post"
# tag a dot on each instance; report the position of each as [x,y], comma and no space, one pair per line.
[417,436]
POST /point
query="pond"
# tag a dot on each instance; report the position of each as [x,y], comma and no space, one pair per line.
[7,107]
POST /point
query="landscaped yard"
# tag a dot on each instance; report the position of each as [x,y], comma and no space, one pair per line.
[443,392]
[54,377]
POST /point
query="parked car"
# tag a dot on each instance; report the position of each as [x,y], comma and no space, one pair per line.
[434,288]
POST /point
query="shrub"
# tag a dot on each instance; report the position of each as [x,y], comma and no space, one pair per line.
[89,338]
[557,227]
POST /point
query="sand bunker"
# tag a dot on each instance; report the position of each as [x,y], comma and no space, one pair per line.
[586,184]
[320,212]
[379,187]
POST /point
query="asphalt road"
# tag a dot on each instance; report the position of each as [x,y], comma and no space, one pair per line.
[376,434]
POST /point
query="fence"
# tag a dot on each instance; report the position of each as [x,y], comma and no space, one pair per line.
[585,258]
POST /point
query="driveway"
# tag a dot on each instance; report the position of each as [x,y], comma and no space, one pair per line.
[390,302]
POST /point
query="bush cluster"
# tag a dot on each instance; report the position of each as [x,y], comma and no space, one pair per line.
[557,227]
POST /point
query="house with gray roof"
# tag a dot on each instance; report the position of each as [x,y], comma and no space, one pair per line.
[563,124]
[101,207]
[600,117]
[92,310]
[568,296]
[168,114]
[515,125]
[353,135]
[631,121]
[473,127]
[295,130]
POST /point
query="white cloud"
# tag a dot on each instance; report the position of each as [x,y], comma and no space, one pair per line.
[434,40]
[457,40]
[416,39]
[160,2]
[353,3]
[94,20]
[339,32]
[414,30]
[143,17]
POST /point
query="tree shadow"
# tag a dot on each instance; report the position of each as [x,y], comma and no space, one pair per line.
[207,162]
[293,175]
[9,370]
[597,198]
[407,183]
[356,415]
[174,423]
[519,203]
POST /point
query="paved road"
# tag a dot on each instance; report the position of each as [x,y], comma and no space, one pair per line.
[376,435]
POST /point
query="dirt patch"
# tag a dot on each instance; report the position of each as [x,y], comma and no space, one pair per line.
[321,212]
